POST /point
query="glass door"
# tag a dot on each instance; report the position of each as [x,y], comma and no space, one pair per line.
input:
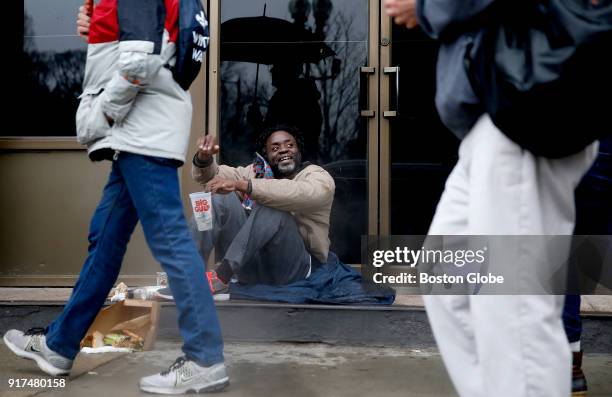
[307,63]
[417,151]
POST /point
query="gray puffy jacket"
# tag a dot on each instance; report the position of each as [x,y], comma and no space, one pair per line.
[128,80]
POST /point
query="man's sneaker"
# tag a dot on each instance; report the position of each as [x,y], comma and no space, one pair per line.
[186,376]
[164,293]
[579,383]
[219,289]
[32,345]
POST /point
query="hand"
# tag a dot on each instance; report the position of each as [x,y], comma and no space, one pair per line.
[207,147]
[225,186]
[403,12]
[84,18]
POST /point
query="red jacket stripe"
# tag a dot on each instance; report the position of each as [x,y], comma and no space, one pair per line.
[104,26]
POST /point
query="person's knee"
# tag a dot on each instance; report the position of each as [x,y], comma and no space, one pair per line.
[224,201]
[269,215]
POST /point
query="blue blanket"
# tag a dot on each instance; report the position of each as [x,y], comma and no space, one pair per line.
[332,283]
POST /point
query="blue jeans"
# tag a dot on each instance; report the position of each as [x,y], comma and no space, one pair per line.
[146,189]
[572,322]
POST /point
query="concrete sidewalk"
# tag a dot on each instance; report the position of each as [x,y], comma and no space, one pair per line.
[270,370]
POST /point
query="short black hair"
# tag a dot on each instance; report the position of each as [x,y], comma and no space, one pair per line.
[260,143]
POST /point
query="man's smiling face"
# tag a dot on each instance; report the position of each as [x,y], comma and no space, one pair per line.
[283,154]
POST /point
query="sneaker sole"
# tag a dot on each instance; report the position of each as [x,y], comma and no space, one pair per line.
[43,364]
[164,297]
[221,297]
[210,388]
[217,297]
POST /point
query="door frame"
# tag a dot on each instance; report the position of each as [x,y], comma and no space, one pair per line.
[373,122]
[385,124]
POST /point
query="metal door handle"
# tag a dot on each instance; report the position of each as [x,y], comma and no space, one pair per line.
[365,71]
[393,70]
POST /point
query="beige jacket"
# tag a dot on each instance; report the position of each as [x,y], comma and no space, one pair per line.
[308,196]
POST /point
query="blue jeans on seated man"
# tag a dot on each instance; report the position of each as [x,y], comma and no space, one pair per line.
[263,247]
[146,189]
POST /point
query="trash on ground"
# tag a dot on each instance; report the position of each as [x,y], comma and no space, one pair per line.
[121,339]
[120,293]
[105,349]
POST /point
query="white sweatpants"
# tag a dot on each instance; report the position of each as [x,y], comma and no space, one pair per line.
[499,345]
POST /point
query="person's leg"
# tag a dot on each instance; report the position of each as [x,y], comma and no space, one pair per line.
[110,230]
[515,193]
[268,249]
[228,217]
[154,188]
[450,315]
[572,322]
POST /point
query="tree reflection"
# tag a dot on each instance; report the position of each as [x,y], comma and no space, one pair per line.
[51,85]
[340,96]
[340,135]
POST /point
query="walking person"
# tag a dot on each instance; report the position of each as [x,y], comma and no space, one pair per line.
[135,114]
[494,345]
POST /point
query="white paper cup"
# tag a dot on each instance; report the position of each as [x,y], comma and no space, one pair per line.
[201,204]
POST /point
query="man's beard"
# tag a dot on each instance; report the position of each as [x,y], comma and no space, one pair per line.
[281,171]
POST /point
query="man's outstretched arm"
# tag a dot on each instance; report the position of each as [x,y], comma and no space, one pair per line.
[440,18]
[204,168]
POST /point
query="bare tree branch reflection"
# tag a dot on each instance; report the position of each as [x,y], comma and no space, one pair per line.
[51,85]
[341,135]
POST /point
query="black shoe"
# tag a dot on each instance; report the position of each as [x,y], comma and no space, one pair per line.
[579,383]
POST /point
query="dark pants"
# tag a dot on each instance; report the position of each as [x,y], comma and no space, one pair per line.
[571,318]
[593,216]
[263,247]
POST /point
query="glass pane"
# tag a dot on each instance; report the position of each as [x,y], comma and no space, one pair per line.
[423,151]
[50,73]
[309,55]
[594,195]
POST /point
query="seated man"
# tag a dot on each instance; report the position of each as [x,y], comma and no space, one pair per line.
[270,229]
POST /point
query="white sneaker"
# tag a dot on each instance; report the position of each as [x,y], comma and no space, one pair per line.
[186,376]
[32,345]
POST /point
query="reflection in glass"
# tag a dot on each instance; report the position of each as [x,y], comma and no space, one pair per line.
[296,81]
[423,151]
[297,62]
[51,70]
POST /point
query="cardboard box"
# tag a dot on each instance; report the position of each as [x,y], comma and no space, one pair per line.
[138,316]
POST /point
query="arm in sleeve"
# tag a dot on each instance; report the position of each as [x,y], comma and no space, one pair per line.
[440,18]
[311,193]
[202,173]
[141,29]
